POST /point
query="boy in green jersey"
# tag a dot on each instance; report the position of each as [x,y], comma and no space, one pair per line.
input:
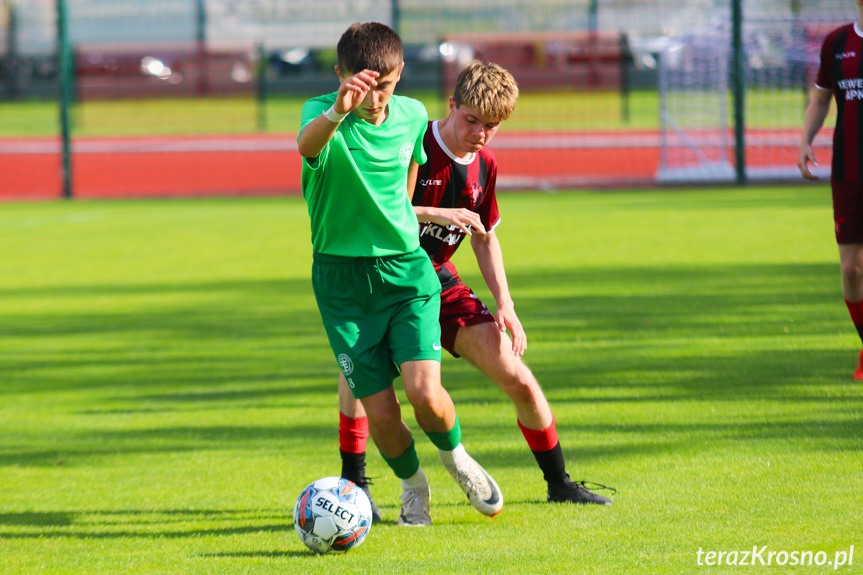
[455,198]
[376,289]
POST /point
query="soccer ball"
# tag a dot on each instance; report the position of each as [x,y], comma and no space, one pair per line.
[332,514]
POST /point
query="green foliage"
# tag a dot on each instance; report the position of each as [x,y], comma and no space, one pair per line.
[167,389]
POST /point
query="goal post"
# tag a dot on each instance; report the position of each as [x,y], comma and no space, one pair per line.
[697,128]
[695,136]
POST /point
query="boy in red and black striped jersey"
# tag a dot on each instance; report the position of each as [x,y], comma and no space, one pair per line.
[841,76]
[454,197]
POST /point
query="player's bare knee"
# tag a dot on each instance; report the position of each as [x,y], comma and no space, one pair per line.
[426,397]
[383,412]
[385,421]
[520,388]
[852,273]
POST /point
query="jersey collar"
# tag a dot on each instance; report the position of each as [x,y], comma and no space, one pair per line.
[466,161]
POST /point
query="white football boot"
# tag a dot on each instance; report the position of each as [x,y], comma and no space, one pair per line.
[415,501]
[480,488]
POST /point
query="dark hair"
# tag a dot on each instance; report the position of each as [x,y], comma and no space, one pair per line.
[369,46]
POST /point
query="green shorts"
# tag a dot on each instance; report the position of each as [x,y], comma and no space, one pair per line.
[378,314]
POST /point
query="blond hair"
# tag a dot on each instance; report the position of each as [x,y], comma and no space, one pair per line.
[486,88]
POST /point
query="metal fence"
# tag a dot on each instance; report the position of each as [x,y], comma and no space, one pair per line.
[105,98]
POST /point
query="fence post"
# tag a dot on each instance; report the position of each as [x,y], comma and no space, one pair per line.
[593,16]
[738,74]
[262,88]
[202,56]
[12,48]
[625,62]
[395,13]
[64,56]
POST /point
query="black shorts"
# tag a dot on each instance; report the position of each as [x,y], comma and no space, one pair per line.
[848,212]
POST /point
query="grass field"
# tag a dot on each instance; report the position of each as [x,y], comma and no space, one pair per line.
[281,114]
[555,111]
[167,390]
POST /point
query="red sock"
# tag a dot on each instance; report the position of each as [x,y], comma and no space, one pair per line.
[856,311]
[353,433]
[542,440]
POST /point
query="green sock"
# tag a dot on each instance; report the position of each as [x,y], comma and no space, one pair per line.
[448,440]
[406,464]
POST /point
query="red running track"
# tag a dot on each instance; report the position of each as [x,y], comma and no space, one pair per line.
[270,164]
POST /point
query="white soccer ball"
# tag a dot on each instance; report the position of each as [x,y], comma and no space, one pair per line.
[332,514]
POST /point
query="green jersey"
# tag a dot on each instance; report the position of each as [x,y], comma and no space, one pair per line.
[356,188]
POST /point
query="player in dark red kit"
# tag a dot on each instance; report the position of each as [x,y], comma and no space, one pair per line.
[840,76]
[454,197]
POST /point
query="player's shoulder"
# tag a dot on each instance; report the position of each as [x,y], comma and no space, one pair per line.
[487,155]
[314,107]
[410,105]
[843,30]
[408,101]
[323,101]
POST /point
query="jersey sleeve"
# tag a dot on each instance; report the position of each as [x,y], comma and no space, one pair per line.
[487,210]
[311,110]
[420,156]
[824,80]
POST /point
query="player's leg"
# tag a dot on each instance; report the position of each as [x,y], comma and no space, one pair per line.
[357,332]
[382,414]
[490,351]
[395,443]
[436,415]
[848,220]
[433,407]
[353,437]
[851,264]
[389,432]
[414,339]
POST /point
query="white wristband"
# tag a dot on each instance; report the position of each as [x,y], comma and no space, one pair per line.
[334,116]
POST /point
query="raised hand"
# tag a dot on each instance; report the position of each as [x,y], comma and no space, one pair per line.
[353,90]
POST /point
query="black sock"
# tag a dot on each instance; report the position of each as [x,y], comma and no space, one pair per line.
[354,466]
[552,465]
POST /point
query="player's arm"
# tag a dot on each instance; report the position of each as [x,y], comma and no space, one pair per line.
[816,111]
[413,172]
[352,91]
[489,257]
[463,218]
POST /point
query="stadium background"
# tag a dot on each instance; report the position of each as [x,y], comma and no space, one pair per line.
[107,98]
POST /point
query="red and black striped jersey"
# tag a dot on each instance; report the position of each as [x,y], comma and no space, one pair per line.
[447,181]
[840,72]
